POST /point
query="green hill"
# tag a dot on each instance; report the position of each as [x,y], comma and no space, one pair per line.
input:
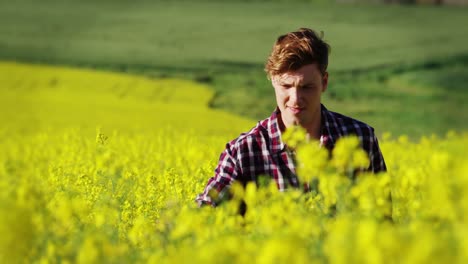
[225,45]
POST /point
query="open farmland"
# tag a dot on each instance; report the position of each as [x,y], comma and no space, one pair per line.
[124,191]
[225,44]
[114,113]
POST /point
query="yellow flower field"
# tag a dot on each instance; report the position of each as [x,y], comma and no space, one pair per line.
[104,168]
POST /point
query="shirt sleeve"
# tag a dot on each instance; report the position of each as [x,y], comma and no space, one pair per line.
[377,162]
[226,172]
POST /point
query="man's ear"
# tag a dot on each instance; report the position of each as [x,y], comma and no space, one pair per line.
[324,82]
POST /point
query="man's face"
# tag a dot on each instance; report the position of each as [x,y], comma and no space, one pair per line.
[298,95]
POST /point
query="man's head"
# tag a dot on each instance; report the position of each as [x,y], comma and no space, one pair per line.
[297,68]
[296,49]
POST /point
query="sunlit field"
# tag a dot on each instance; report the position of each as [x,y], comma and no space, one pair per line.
[38,97]
[400,68]
[100,167]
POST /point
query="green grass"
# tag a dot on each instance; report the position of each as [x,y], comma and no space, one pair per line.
[375,51]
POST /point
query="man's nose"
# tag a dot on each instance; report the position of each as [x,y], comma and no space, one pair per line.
[294,94]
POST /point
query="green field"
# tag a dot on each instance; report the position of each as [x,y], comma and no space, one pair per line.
[400,68]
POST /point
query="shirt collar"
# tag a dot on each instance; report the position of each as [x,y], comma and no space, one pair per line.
[328,124]
[326,137]
[274,132]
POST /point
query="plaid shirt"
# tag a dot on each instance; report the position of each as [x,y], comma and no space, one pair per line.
[262,152]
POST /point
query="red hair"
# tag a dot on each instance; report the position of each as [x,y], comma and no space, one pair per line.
[296,49]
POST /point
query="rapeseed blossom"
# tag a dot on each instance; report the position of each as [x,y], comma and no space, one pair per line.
[126,195]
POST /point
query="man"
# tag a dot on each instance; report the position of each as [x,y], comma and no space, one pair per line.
[297,68]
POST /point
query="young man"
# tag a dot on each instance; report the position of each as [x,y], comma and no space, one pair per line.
[297,68]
